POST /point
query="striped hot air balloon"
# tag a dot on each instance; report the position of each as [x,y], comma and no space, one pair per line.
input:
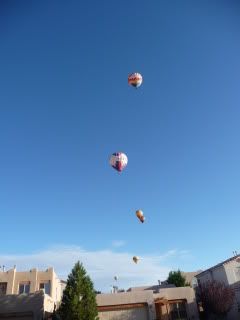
[135,79]
[118,161]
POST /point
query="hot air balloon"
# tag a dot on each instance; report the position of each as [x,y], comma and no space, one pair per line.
[116,278]
[136,259]
[140,215]
[135,80]
[118,161]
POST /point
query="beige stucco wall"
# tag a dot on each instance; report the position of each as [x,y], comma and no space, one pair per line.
[232,270]
[110,299]
[35,277]
[148,297]
[48,303]
[128,298]
[8,277]
[18,304]
[30,276]
[181,293]
[204,277]
[177,293]
[130,314]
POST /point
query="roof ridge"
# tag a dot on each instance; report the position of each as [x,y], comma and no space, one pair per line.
[219,264]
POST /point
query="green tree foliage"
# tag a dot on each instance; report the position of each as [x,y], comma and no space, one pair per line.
[79,298]
[176,278]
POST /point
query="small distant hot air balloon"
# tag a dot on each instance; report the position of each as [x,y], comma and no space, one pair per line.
[140,215]
[135,79]
[118,161]
[116,278]
[136,259]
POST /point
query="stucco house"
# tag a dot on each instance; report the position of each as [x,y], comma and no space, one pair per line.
[227,272]
[162,304]
[29,295]
[33,306]
[26,282]
[33,294]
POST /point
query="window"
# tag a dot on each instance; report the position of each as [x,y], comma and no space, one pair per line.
[24,288]
[178,311]
[3,288]
[45,286]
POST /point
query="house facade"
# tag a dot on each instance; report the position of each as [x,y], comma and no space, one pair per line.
[227,272]
[33,295]
[13,282]
[164,304]
[33,306]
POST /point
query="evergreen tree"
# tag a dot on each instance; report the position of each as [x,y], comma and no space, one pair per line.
[79,298]
[176,278]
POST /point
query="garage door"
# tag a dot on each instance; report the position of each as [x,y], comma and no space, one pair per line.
[140,313]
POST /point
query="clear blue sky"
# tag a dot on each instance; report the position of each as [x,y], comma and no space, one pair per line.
[65,106]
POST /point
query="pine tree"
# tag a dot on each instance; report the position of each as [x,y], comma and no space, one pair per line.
[79,298]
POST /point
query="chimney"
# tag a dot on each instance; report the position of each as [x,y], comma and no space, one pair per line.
[159,282]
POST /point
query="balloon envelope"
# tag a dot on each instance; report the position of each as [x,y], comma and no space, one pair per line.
[136,259]
[140,215]
[118,161]
[135,79]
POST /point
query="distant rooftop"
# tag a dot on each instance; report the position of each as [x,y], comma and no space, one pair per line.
[63,281]
[190,275]
[154,288]
[164,284]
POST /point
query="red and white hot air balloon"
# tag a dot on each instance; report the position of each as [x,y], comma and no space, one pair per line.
[135,80]
[118,161]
